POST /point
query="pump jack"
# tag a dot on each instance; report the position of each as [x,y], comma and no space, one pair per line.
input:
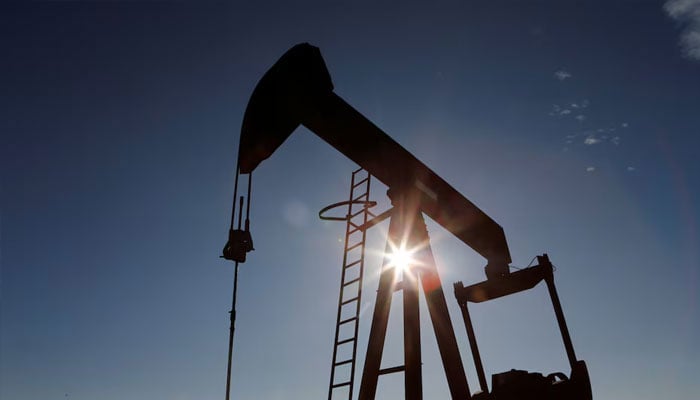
[297,90]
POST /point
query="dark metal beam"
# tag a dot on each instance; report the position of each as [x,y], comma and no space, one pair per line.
[298,90]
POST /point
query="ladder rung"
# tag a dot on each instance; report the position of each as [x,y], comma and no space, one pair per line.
[392,370]
[348,283]
[355,228]
[360,182]
[337,385]
[354,246]
[348,361]
[352,264]
[346,320]
[353,215]
[359,197]
[348,340]
[349,301]
[357,170]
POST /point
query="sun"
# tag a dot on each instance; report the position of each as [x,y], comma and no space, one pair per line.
[401,257]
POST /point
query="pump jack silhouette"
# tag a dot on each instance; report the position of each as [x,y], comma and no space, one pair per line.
[297,90]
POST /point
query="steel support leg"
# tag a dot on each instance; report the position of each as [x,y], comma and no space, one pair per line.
[380,320]
[440,317]
[413,378]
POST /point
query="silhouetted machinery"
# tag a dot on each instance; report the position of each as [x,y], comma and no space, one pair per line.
[297,90]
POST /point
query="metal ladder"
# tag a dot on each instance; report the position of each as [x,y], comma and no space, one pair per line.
[349,299]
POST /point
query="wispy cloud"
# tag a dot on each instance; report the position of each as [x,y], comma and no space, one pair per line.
[562,75]
[582,104]
[592,137]
[579,117]
[558,110]
[687,12]
[591,140]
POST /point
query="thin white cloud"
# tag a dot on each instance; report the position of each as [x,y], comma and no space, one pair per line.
[687,13]
[580,117]
[590,169]
[593,137]
[631,168]
[562,75]
[625,125]
[577,107]
[591,140]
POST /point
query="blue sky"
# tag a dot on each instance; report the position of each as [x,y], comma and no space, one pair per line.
[572,124]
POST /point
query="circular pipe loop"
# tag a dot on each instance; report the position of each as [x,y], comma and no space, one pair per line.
[367,204]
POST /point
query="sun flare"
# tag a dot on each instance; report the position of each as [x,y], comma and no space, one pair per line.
[401,258]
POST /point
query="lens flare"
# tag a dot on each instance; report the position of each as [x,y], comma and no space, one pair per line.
[401,258]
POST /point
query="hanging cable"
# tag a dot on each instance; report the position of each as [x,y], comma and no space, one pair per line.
[248,236]
[247,211]
[232,313]
[240,208]
[235,193]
